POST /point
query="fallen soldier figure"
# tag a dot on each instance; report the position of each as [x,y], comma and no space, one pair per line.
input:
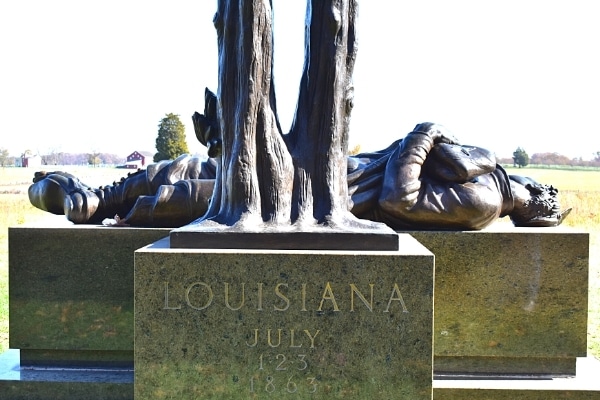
[423,181]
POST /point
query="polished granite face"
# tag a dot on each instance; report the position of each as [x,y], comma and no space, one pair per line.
[269,324]
[509,394]
[72,289]
[509,300]
[44,383]
[71,292]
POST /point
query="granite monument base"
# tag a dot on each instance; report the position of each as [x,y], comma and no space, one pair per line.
[50,322]
[237,324]
[509,301]
[71,312]
[62,383]
[583,386]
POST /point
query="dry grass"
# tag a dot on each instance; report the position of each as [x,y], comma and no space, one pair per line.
[578,189]
[564,180]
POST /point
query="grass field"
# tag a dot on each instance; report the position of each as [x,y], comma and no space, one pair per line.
[578,189]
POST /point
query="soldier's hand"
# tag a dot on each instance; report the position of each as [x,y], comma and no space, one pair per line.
[438,133]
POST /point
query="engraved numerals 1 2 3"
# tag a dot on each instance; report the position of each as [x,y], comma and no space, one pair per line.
[283,363]
[279,366]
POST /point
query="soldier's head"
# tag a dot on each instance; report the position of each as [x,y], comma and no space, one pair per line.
[535,204]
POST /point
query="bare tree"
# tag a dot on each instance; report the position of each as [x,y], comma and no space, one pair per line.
[4,157]
[94,159]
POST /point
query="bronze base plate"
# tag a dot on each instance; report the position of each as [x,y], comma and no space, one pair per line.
[207,238]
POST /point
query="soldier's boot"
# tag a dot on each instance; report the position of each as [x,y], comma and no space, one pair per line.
[62,193]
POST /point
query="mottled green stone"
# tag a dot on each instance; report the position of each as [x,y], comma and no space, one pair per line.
[40,390]
[508,394]
[196,336]
[71,293]
[18,383]
[506,301]
[583,386]
[509,300]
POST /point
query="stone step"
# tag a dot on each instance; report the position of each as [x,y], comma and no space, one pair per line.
[585,385]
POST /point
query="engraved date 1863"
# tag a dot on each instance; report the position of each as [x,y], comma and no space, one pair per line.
[282,364]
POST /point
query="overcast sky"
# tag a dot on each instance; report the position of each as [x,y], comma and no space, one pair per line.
[81,76]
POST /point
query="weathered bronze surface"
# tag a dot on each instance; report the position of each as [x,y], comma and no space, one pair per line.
[423,181]
[267,178]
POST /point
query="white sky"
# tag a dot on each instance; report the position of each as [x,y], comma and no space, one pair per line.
[81,76]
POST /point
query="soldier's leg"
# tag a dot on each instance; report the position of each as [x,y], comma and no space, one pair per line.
[173,205]
[62,193]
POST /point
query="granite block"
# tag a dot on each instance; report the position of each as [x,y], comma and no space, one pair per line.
[232,324]
[507,393]
[509,301]
[71,293]
[33,383]
[584,386]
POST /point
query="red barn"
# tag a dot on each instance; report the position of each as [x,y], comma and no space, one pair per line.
[29,161]
[138,159]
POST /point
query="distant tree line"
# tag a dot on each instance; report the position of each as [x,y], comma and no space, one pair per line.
[98,159]
[94,158]
[521,159]
[60,158]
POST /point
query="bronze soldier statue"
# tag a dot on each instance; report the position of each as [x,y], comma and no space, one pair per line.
[424,181]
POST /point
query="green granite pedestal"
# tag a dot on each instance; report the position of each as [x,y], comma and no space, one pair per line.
[71,312]
[239,324]
[509,301]
[511,314]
